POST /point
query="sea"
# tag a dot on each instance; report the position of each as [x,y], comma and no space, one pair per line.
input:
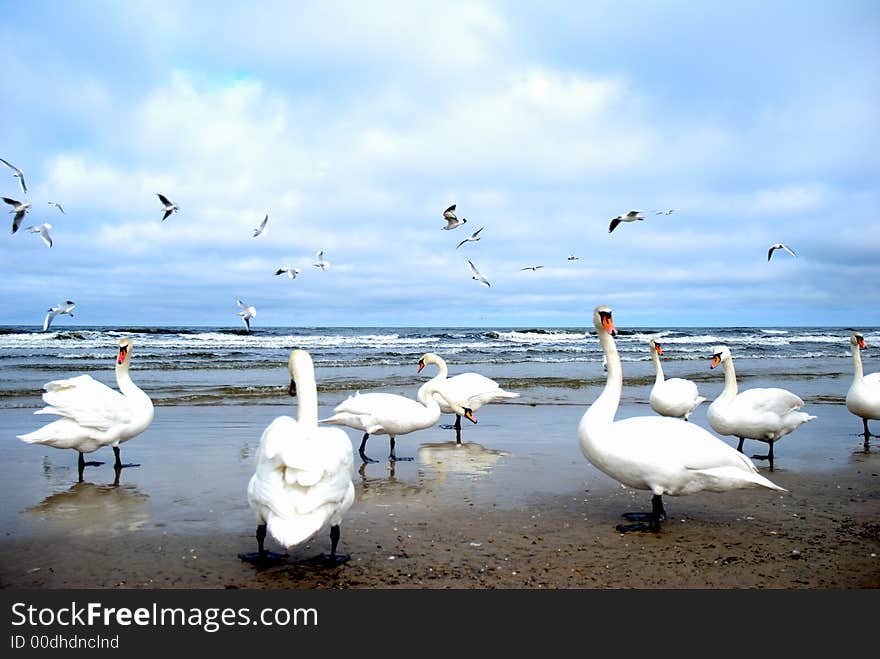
[223,366]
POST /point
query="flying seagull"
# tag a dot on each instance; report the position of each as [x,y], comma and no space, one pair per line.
[531,267]
[631,216]
[291,272]
[170,206]
[19,209]
[43,230]
[17,173]
[63,308]
[666,212]
[475,236]
[260,229]
[476,274]
[320,262]
[246,314]
[449,213]
[57,205]
[779,246]
[572,257]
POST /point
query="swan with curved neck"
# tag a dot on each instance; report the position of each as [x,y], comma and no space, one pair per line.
[393,415]
[94,415]
[471,389]
[863,397]
[660,454]
[303,475]
[675,397]
[765,414]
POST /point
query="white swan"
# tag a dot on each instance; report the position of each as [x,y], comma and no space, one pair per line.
[94,414]
[472,390]
[863,397]
[660,454]
[303,476]
[393,415]
[767,415]
[674,397]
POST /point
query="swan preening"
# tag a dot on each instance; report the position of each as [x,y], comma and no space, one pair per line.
[303,475]
[471,390]
[94,415]
[767,415]
[674,397]
[660,454]
[393,415]
[863,397]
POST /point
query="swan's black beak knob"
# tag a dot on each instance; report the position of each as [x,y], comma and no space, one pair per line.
[292,388]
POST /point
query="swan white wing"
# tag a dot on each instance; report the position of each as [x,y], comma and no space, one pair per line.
[872,379]
[473,390]
[769,400]
[671,456]
[86,401]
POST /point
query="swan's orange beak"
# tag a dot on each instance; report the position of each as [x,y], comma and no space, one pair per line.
[469,415]
[862,343]
[421,365]
[608,324]
[123,351]
[658,348]
[716,359]
[291,389]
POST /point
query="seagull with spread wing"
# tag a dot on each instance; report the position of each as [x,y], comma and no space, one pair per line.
[17,173]
[19,209]
[260,229]
[475,236]
[170,206]
[773,248]
[291,272]
[43,230]
[476,276]
[631,216]
[57,205]
[531,267]
[246,313]
[63,308]
[320,262]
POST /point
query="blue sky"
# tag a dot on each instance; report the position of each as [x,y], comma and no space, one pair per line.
[354,125]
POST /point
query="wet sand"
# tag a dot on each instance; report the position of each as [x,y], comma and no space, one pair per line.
[515,506]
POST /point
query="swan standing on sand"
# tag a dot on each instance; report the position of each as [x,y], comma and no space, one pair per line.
[94,414]
[659,454]
[303,476]
[471,389]
[863,397]
[393,415]
[674,397]
[767,415]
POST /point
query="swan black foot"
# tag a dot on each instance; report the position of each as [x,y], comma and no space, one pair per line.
[739,447]
[265,558]
[261,556]
[361,449]
[118,464]
[769,457]
[81,462]
[393,457]
[645,521]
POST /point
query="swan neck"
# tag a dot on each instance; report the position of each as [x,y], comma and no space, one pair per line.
[730,387]
[604,408]
[658,367]
[306,396]
[857,364]
[124,382]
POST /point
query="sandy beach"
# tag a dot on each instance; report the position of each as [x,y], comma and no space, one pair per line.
[515,506]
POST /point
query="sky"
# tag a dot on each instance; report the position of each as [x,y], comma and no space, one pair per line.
[355,125]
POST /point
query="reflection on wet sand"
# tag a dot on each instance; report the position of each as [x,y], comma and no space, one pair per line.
[467,458]
[87,508]
[379,481]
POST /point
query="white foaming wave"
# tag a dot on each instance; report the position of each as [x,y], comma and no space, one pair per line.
[541,337]
[772,331]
